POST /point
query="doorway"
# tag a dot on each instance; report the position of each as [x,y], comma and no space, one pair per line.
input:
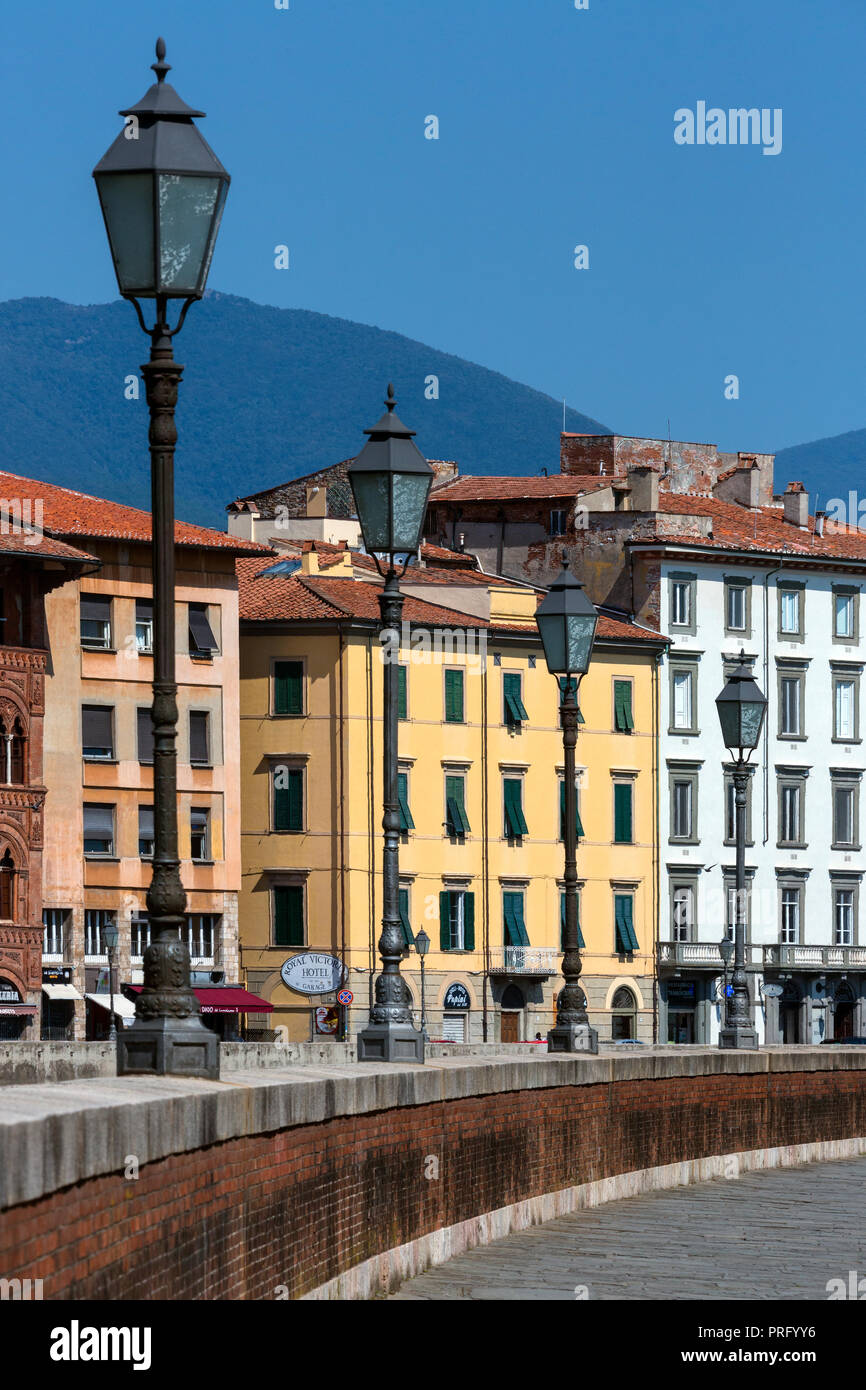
[681,1025]
[789,1014]
[843,1013]
[510,1029]
[512,1006]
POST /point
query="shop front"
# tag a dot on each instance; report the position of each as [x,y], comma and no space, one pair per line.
[16,1015]
[59,997]
[222,1007]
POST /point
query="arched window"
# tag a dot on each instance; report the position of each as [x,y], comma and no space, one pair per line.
[7,888]
[13,745]
[623,1023]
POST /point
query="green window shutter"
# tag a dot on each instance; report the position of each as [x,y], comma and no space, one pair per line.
[288,687]
[455,809]
[625,935]
[402,693]
[288,799]
[289,915]
[469,921]
[623,718]
[454,697]
[515,710]
[522,935]
[408,936]
[622,819]
[296,799]
[406,821]
[580,941]
[445,921]
[508,901]
[515,821]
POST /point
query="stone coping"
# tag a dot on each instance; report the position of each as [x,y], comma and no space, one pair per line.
[57,1134]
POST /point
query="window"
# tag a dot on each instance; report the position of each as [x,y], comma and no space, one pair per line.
[7,887]
[791,813]
[288,914]
[623,719]
[791,700]
[623,1016]
[790,916]
[456,819]
[199,737]
[558,522]
[732,901]
[623,906]
[288,788]
[139,936]
[845,702]
[97,732]
[514,925]
[580,830]
[288,687]
[95,922]
[144,626]
[791,611]
[406,821]
[199,833]
[682,601]
[843,916]
[13,753]
[456,920]
[202,931]
[684,796]
[405,925]
[96,622]
[845,614]
[845,816]
[683,681]
[683,912]
[98,829]
[402,692]
[623,794]
[513,711]
[145,735]
[738,595]
[201,638]
[146,838]
[453,696]
[54,921]
[580,941]
[515,822]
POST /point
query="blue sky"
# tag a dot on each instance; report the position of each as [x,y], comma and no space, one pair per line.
[556,129]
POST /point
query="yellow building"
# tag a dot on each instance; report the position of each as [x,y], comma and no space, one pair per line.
[481,769]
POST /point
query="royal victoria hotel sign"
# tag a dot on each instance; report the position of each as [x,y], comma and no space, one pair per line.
[311,972]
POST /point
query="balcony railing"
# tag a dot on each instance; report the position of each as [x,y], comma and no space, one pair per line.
[673,955]
[824,957]
[523,960]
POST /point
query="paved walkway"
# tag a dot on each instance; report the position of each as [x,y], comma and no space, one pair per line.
[774,1235]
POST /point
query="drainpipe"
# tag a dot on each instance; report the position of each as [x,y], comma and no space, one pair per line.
[371,802]
[657,843]
[485,850]
[342,735]
[766,752]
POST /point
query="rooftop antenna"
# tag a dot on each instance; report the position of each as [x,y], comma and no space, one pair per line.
[563,415]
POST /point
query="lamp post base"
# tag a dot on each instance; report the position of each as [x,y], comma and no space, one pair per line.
[390,1042]
[572,1037]
[739,1035]
[169,1047]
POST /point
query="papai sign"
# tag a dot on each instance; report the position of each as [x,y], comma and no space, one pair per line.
[313,973]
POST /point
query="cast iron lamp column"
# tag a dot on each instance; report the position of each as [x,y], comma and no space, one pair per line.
[162,190]
[422,946]
[391,481]
[110,935]
[567,622]
[741,707]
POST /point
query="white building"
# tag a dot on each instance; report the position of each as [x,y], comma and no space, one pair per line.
[766,582]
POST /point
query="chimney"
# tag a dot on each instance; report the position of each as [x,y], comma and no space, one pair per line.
[317,501]
[310,560]
[796,503]
[644,488]
[819,521]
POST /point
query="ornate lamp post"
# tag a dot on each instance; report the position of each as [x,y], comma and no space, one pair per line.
[390,481]
[567,622]
[741,709]
[162,190]
[109,936]
[422,946]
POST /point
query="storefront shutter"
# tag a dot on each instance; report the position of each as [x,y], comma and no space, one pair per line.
[288,687]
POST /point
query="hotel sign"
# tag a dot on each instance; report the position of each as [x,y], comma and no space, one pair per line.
[311,972]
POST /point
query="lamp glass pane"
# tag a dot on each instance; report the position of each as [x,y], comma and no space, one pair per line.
[186,228]
[553,640]
[580,634]
[751,718]
[410,499]
[127,205]
[372,498]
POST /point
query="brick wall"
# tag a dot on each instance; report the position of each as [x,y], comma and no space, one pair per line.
[299,1206]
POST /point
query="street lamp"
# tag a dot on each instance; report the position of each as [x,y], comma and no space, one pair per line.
[422,946]
[741,709]
[109,936]
[162,190]
[567,622]
[390,481]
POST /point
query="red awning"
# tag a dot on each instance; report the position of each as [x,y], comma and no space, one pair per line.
[7,1009]
[229,999]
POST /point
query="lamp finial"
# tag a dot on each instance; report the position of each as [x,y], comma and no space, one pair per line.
[160,67]
[391,399]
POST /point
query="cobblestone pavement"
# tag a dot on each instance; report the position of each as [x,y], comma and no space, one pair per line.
[774,1235]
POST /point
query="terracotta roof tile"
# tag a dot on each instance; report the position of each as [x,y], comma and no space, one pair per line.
[69,513]
[761,530]
[492,489]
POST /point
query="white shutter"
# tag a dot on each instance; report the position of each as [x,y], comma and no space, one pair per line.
[454,1028]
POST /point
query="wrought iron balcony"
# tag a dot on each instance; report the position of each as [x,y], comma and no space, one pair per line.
[778,957]
[523,960]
